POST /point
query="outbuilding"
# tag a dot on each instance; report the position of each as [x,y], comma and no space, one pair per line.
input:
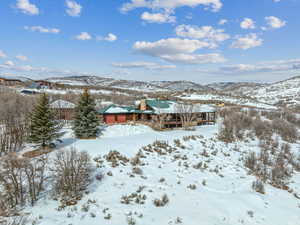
[64,109]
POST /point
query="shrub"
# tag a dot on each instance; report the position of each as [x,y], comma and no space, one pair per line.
[286,130]
[72,170]
[258,186]
[161,202]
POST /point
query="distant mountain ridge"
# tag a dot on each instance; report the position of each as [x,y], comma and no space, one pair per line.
[131,84]
[285,91]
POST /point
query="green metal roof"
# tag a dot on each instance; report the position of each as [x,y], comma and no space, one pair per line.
[115,109]
[153,103]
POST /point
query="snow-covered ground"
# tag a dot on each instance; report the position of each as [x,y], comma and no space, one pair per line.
[222,194]
[232,100]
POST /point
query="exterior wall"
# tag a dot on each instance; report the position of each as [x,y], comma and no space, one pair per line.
[64,114]
[115,118]
[121,118]
[109,119]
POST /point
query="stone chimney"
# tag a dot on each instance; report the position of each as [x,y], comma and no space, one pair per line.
[143,105]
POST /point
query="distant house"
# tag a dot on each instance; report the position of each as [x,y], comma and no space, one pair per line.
[168,112]
[34,86]
[10,81]
[41,84]
[64,109]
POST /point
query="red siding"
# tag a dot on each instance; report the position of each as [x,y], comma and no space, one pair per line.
[118,118]
[109,119]
[121,118]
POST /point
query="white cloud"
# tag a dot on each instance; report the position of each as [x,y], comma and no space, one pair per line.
[26,7]
[215,5]
[247,23]
[178,50]
[144,65]
[246,42]
[22,57]
[73,8]
[206,33]
[274,22]
[83,36]
[111,37]
[223,21]
[195,58]
[2,54]
[42,29]
[158,17]
[269,66]
[9,63]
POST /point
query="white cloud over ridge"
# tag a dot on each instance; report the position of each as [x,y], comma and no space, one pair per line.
[143,65]
[268,66]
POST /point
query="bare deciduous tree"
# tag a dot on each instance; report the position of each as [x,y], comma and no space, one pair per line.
[21,180]
[72,170]
[186,113]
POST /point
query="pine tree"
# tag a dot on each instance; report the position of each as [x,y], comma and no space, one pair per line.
[85,120]
[43,128]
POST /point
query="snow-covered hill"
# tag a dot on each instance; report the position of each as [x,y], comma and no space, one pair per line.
[150,86]
[286,92]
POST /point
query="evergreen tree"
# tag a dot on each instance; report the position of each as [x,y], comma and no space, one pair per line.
[85,120]
[43,128]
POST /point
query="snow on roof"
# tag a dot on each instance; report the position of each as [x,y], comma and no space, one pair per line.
[117,109]
[58,104]
[175,107]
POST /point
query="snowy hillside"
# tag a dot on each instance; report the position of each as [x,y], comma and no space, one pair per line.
[228,99]
[151,86]
[287,91]
[205,182]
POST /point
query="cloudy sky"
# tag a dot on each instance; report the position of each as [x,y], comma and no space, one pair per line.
[199,40]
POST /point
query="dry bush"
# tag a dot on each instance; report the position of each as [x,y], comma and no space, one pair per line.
[22,180]
[274,167]
[161,202]
[116,158]
[286,130]
[72,172]
[160,147]
[13,118]
[237,123]
[258,186]
[12,136]
[262,129]
[15,220]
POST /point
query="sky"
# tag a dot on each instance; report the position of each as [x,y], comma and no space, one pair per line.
[198,40]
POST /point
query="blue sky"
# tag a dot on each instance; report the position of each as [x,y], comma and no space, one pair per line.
[199,40]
